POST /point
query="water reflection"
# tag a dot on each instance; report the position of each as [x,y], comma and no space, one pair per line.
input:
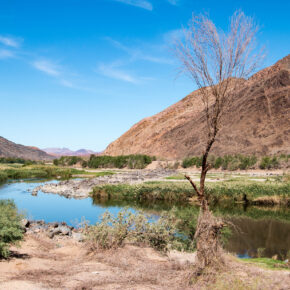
[264,237]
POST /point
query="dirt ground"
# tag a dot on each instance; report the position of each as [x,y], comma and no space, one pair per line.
[42,263]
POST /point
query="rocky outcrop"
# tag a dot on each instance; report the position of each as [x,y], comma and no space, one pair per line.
[59,229]
[11,149]
[81,188]
[258,122]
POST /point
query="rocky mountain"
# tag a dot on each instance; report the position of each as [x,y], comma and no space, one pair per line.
[258,122]
[68,152]
[11,149]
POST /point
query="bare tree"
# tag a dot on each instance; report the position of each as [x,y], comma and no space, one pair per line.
[216,61]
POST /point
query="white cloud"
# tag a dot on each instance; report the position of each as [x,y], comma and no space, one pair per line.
[9,41]
[137,54]
[138,3]
[47,67]
[113,71]
[6,54]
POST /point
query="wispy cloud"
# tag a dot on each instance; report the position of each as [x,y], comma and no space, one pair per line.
[114,71]
[173,2]
[172,36]
[137,54]
[10,41]
[6,54]
[138,3]
[47,67]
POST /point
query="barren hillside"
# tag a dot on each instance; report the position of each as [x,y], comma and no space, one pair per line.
[258,122]
[11,149]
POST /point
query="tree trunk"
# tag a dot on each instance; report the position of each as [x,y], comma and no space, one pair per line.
[207,238]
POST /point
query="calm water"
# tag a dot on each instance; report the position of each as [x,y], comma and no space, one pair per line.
[270,235]
[52,207]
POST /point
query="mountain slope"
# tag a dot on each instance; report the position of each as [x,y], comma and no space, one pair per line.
[258,122]
[68,152]
[11,149]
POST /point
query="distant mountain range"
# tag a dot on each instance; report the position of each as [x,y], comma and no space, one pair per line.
[11,149]
[68,152]
[258,122]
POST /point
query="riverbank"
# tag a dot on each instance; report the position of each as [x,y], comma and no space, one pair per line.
[236,192]
[64,263]
[37,171]
[82,188]
[170,185]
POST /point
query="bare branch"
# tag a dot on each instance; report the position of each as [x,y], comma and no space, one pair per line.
[193,184]
[216,61]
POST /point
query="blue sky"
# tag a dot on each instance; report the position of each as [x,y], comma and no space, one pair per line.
[79,73]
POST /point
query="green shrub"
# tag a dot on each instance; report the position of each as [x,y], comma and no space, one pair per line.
[192,161]
[11,160]
[218,162]
[227,162]
[137,161]
[67,160]
[10,227]
[111,232]
[3,176]
[84,164]
[268,162]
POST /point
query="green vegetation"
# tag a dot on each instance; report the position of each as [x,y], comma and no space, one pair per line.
[141,192]
[268,162]
[12,160]
[23,171]
[238,161]
[267,263]
[176,177]
[130,161]
[9,171]
[67,160]
[111,232]
[3,176]
[138,161]
[256,193]
[102,173]
[10,227]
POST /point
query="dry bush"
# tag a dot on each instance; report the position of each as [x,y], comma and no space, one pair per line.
[111,232]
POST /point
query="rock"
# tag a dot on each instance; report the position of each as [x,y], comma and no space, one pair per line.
[50,235]
[65,230]
[25,223]
[79,237]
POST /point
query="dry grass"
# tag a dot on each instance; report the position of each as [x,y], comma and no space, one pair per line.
[65,264]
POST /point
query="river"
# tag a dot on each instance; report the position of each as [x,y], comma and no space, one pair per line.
[264,232]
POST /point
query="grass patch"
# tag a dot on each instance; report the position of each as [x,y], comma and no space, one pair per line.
[175,177]
[257,193]
[102,173]
[143,192]
[267,263]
